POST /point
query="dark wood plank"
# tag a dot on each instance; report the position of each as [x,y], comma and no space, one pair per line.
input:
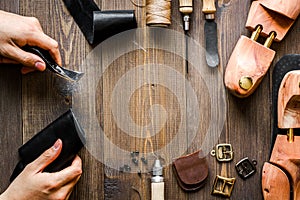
[43,101]
[10,111]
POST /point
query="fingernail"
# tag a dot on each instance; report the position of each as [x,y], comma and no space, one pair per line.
[56,145]
[40,66]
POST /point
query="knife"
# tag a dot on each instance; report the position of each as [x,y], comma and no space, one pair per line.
[51,65]
[210,33]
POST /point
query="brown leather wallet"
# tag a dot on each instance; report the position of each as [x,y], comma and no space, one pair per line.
[191,171]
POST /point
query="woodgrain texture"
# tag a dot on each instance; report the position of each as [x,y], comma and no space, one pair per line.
[34,101]
[10,110]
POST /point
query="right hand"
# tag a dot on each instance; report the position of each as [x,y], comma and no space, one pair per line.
[34,184]
[17,31]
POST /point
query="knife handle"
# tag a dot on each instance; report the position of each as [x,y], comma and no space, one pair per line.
[186,6]
[209,9]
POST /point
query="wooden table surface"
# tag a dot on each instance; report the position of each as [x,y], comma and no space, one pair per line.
[28,103]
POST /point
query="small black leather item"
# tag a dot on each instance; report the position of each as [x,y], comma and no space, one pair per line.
[286,64]
[66,128]
[97,25]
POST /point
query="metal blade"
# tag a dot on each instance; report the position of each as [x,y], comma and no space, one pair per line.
[211,43]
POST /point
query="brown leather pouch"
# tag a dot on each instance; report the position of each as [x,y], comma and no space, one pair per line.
[191,171]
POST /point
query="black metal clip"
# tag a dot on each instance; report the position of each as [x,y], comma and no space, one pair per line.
[223,186]
[246,167]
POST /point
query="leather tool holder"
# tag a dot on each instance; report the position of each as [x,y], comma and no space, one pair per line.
[281,175]
[97,25]
[191,171]
[65,128]
[250,60]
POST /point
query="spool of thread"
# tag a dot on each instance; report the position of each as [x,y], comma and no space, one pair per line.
[158,13]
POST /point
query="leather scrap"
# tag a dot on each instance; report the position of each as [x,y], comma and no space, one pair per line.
[97,25]
[65,128]
[191,171]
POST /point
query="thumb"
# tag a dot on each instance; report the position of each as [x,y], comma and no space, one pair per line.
[47,157]
[25,58]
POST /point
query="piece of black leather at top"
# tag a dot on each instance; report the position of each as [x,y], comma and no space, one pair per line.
[286,64]
[111,22]
[99,25]
[82,13]
[65,128]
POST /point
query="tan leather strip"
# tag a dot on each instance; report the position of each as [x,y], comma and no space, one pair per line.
[270,20]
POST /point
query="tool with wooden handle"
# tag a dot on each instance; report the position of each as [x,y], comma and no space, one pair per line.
[186,8]
[210,33]
[157,182]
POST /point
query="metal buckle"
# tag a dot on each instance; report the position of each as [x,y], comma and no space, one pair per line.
[246,167]
[223,186]
[223,152]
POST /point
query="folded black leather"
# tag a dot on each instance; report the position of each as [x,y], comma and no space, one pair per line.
[286,64]
[66,128]
[99,25]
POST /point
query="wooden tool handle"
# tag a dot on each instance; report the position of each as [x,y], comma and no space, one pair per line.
[186,6]
[157,191]
[209,7]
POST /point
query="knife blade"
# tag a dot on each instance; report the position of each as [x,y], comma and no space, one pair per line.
[210,33]
[52,65]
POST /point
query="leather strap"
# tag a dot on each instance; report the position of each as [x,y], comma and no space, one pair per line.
[97,25]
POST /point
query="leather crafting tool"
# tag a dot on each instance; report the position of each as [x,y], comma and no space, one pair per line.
[250,60]
[186,8]
[280,176]
[157,182]
[191,171]
[52,65]
[99,25]
[210,33]
[66,128]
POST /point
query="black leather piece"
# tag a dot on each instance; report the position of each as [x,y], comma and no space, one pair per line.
[286,64]
[65,128]
[99,25]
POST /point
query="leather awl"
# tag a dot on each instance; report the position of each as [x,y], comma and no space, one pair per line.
[251,60]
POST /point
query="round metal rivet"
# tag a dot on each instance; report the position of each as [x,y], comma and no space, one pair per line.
[245,82]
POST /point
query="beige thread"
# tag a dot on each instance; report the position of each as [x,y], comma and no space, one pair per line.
[158,13]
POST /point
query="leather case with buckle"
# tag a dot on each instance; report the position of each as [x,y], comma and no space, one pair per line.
[66,128]
[191,171]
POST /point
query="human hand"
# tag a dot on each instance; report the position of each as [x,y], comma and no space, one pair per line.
[34,184]
[17,31]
